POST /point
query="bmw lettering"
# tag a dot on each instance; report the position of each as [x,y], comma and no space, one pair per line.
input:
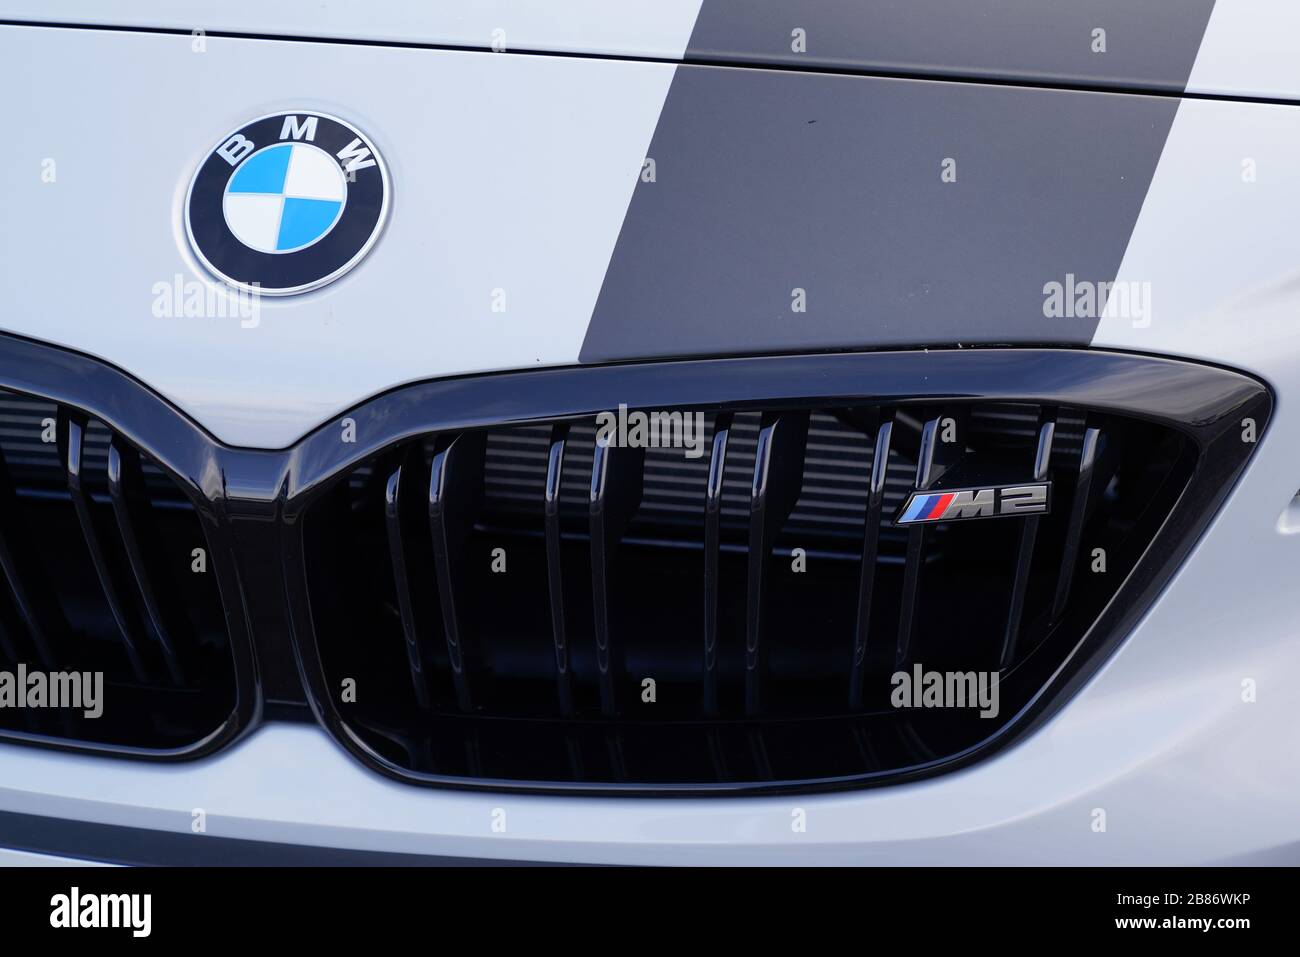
[287,203]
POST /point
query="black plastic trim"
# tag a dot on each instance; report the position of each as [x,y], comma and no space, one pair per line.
[194,462]
[252,501]
[149,847]
[1203,402]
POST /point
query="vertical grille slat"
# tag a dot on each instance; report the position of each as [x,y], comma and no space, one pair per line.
[712,554]
[916,536]
[455,496]
[778,477]
[396,511]
[870,548]
[554,559]
[126,489]
[1025,553]
[616,489]
[1078,512]
[74,436]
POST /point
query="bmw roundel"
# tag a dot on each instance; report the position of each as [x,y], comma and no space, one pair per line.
[287,203]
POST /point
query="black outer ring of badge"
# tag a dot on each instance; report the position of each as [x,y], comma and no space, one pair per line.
[283,274]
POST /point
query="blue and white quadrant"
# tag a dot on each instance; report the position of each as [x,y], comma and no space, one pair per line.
[284,197]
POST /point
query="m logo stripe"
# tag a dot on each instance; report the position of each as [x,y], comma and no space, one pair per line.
[939,507]
[914,508]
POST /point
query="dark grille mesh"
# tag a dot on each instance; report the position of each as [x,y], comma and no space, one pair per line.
[97,545]
[761,671]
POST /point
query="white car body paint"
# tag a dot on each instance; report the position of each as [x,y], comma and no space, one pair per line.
[1249,49]
[1161,739]
[509,173]
[645,28]
[9,858]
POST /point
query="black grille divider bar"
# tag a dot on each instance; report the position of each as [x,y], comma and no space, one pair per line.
[916,536]
[1078,512]
[712,553]
[73,433]
[398,524]
[778,473]
[455,493]
[617,476]
[1025,553]
[130,505]
[554,574]
[870,546]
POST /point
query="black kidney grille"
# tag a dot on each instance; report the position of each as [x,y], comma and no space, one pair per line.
[467,590]
[624,565]
[97,560]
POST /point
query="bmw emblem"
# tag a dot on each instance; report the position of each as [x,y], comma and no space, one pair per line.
[287,203]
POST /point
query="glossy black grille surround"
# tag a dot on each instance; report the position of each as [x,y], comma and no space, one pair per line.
[256,509]
[766,681]
[105,494]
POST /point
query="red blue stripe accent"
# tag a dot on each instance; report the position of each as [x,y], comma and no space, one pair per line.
[939,507]
[927,508]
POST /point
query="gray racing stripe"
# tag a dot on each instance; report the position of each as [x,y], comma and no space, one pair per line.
[1149,44]
[767,182]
